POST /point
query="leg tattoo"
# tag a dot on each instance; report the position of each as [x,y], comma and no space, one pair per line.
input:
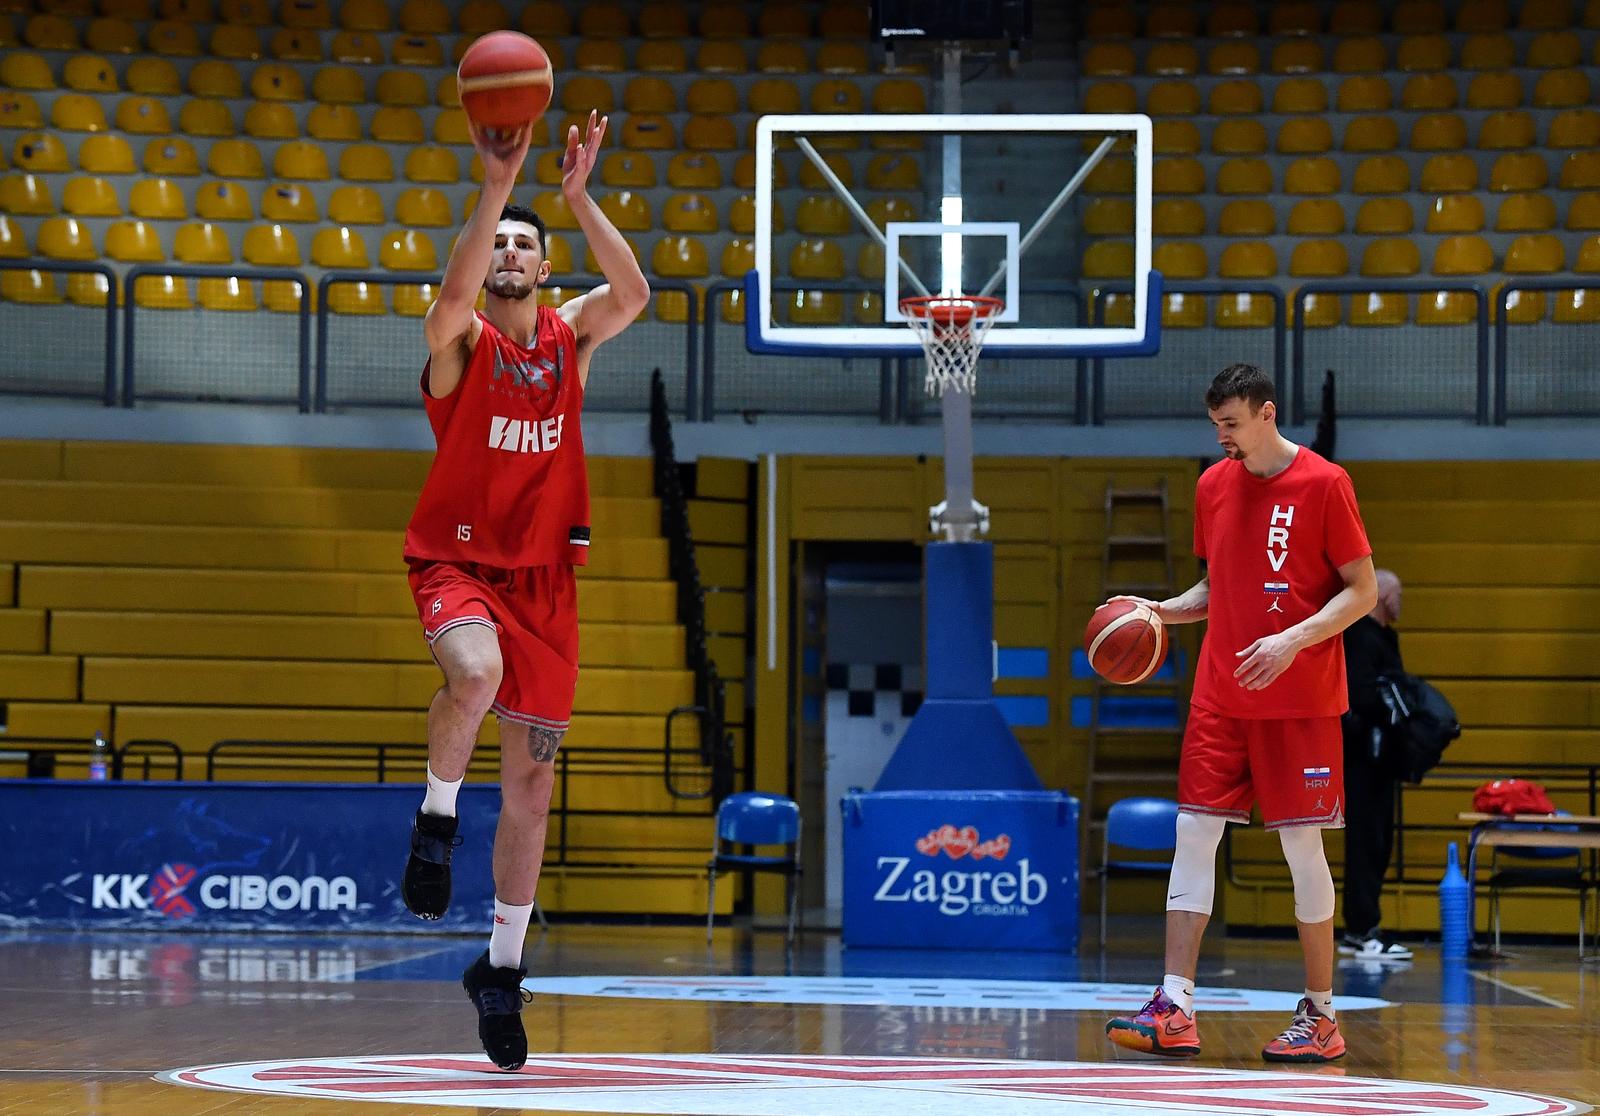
[543,742]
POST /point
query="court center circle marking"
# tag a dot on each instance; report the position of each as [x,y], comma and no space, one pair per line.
[822,1085]
[908,992]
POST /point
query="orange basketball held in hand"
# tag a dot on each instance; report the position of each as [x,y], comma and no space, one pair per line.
[504,80]
[1126,642]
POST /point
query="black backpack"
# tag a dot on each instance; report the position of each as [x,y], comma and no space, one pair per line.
[1422,723]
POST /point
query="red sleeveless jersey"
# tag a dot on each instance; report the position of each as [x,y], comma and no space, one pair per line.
[508,486]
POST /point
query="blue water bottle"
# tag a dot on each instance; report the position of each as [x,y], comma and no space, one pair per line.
[1455,925]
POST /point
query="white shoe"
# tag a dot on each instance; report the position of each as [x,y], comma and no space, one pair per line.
[1373,948]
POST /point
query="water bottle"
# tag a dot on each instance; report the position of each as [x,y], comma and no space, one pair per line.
[100,759]
[1455,926]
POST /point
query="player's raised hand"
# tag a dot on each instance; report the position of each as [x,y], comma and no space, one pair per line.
[581,156]
[502,150]
[1265,659]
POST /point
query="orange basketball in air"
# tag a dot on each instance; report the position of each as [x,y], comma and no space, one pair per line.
[1126,642]
[504,80]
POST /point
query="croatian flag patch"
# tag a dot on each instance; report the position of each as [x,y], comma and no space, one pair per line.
[1318,776]
[1276,586]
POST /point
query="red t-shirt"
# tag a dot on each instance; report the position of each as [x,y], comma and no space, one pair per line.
[1273,547]
[508,486]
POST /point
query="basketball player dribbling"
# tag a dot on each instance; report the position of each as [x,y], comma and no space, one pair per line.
[1288,568]
[501,523]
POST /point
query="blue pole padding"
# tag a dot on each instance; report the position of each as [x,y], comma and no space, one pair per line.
[960,596]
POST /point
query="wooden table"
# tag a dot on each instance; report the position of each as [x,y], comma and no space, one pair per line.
[1581,831]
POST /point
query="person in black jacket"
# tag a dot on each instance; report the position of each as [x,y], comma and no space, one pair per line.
[1371,648]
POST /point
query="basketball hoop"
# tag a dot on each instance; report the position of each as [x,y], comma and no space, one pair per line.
[951,329]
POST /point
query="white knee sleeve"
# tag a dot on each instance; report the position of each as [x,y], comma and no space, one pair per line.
[1313,882]
[1193,884]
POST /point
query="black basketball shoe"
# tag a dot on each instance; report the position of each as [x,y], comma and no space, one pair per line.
[498,995]
[425,887]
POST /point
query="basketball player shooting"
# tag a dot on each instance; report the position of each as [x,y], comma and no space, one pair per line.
[501,523]
[1288,569]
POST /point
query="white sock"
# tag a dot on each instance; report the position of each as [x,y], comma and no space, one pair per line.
[510,929]
[440,798]
[1322,1001]
[1180,990]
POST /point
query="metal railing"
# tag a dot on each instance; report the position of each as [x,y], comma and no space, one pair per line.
[34,748]
[112,293]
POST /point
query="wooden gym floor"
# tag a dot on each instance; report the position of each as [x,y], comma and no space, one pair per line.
[90,1019]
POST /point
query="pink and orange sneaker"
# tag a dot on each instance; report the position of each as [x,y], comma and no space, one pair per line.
[1161,1027]
[1312,1037]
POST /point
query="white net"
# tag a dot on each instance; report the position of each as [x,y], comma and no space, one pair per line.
[951,329]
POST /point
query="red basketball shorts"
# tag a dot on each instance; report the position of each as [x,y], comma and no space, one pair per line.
[535,613]
[1294,768]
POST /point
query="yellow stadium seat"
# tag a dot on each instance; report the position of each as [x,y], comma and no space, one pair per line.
[783,21]
[87,289]
[1561,89]
[18,110]
[1552,50]
[1418,17]
[13,245]
[1110,23]
[1294,19]
[1172,98]
[1360,55]
[296,46]
[1544,15]
[171,156]
[1526,213]
[424,17]
[413,300]
[899,95]
[235,159]
[814,307]
[157,199]
[559,253]
[1429,92]
[1233,57]
[710,96]
[474,169]
[134,242]
[1236,98]
[1487,51]
[1364,93]
[553,210]
[592,265]
[215,79]
[477,17]
[1110,59]
[1580,171]
[398,87]
[1175,59]
[1168,217]
[812,179]
[599,56]
[362,162]
[1355,17]
[33,287]
[1296,56]
[636,170]
[1319,259]
[1574,128]
[1227,19]
[416,50]
[1520,170]
[738,258]
[162,292]
[355,205]
[1449,174]
[64,239]
[822,215]
[1168,137]
[88,73]
[816,259]
[774,95]
[1110,96]
[1172,21]
[649,132]
[1316,217]
[290,203]
[333,122]
[1296,96]
[1314,175]
[1308,135]
[1483,15]
[664,21]
[1422,54]
[1168,176]
[90,196]
[547,168]
[1575,307]
[365,15]
[1495,89]
[627,210]
[1250,217]
[356,48]
[356,299]
[836,95]
[274,81]
[1248,259]
[1440,131]
[1390,258]
[50,32]
[650,94]
[715,56]
[1583,215]
[742,215]
[230,294]
[1180,259]
[201,242]
[1455,213]
[1503,131]
[156,77]
[689,213]
[545,19]
[1382,174]
[450,127]
[40,153]
[883,210]
[603,21]
[223,201]
[1114,217]
[1239,137]
[584,92]
[711,133]
[1463,255]
[106,153]
[840,57]
[1588,257]
[174,39]
[112,36]
[1246,177]
[433,164]
[339,248]
[143,116]
[303,161]
[1371,133]
[271,120]
[408,250]
[393,124]
[724,21]
[78,112]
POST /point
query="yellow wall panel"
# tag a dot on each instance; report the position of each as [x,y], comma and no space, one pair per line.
[1471,480]
[1500,609]
[30,460]
[856,498]
[56,718]
[8,584]
[718,521]
[39,677]
[721,566]
[22,629]
[722,478]
[1531,704]
[1503,654]
[1481,521]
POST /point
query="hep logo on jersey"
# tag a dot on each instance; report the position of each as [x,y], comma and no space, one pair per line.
[516,435]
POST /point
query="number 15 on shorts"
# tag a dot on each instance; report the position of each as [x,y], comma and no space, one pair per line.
[464,532]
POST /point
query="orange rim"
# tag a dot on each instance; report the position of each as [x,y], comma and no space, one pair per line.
[951,310]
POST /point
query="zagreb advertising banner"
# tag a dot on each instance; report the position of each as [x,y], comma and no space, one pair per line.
[993,870]
[228,856]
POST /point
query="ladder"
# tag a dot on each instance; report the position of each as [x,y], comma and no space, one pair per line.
[1128,758]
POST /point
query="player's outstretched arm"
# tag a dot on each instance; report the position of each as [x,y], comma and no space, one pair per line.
[451,327]
[1187,607]
[608,309]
